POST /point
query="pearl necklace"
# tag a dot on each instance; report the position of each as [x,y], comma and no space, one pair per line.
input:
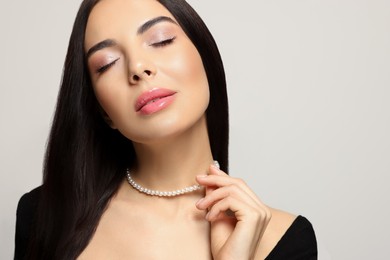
[173,193]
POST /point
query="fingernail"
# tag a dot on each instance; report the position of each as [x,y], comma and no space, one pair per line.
[207,215]
[214,167]
[202,176]
[199,201]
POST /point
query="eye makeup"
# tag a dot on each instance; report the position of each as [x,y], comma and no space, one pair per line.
[162,43]
[103,68]
[100,63]
[161,35]
[158,36]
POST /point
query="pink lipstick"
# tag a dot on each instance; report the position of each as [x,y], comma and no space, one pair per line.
[154,100]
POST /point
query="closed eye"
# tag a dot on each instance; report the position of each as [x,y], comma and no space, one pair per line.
[106,67]
[164,42]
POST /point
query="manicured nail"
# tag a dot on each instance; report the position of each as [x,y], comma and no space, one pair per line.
[199,201]
[215,167]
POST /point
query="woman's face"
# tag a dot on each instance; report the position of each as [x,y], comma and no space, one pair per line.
[146,73]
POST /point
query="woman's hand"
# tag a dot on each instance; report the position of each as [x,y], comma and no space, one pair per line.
[238,218]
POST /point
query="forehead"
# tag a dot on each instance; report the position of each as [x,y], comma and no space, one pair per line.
[109,17]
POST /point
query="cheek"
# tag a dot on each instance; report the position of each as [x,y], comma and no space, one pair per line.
[111,99]
[104,98]
[199,87]
[190,65]
[186,68]
[196,78]
[195,88]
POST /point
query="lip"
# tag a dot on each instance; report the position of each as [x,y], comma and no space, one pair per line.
[154,100]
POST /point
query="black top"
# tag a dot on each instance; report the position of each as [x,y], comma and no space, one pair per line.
[299,241]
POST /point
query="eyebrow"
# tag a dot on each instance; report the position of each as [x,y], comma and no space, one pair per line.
[142,29]
[101,45]
[146,26]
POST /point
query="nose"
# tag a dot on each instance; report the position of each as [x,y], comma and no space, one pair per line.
[141,68]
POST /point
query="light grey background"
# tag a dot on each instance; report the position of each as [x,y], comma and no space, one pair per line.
[309,87]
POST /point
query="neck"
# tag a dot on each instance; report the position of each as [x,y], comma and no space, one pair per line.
[174,162]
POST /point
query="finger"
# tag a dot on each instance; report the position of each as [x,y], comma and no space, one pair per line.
[213,166]
[226,180]
[209,190]
[215,170]
[221,193]
[251,223]
[240,209]
[257,218]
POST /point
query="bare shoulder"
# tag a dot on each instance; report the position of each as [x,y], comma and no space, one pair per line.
[280,222]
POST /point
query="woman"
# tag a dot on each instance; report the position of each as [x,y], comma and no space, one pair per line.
[144,96]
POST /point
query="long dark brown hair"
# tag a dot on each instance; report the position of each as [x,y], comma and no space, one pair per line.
[85,159]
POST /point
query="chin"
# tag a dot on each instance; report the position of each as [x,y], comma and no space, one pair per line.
[172,127]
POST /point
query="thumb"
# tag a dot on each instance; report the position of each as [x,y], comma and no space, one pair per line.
[213,170]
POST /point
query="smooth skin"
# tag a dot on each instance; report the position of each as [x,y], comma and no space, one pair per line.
[224,221]
[245,222]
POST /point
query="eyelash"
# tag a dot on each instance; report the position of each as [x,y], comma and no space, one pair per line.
[157,44]
[164,42]
[106,67]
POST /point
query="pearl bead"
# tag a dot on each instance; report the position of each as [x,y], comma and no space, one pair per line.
[163,193]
